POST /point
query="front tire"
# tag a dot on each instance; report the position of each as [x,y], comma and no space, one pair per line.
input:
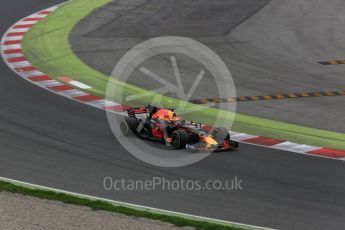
[234,144]
[179,139]
[129,126]
[221,134]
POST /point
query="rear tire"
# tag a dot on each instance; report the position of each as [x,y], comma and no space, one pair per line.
[179,139]
[129,126]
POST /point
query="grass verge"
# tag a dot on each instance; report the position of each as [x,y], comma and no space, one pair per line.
[47,47]
[105,206]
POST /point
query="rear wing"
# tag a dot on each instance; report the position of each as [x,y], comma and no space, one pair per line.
[139,110]
[147,110]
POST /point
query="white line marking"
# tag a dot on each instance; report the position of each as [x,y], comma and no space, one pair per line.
[31,73]
[297,148]
[8,56]
[37,16]
[242,136]
[133,206]
[50,83]
[11,47]
[110,103]
[239,136]
[26,23]
[232,133]
[305,148]
[73,93]
[79,84]
[20,64]
[53,8]
[100,102]
[14,30]
[13,38]
[286,146]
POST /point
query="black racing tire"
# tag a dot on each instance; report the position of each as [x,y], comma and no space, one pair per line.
[129,126]
[179,139]
[221,134]
[235,144]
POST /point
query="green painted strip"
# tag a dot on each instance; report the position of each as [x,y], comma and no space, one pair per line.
[47,47]
[95,203]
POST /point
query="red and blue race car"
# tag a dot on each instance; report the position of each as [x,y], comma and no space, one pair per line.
[163,125]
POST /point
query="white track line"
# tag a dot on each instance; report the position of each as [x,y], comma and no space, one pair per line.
[101,103]
[135,206]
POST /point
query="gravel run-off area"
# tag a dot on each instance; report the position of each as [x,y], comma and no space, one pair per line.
[24,212]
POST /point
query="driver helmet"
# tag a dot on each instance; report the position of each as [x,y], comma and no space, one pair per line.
[165,114]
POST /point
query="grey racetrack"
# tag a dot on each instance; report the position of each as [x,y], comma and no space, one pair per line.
[274,51]
[48,140]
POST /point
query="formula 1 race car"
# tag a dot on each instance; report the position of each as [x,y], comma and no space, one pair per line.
[163,125]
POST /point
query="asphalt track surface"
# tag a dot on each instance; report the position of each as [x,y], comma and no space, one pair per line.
[275,51]
[48,140]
